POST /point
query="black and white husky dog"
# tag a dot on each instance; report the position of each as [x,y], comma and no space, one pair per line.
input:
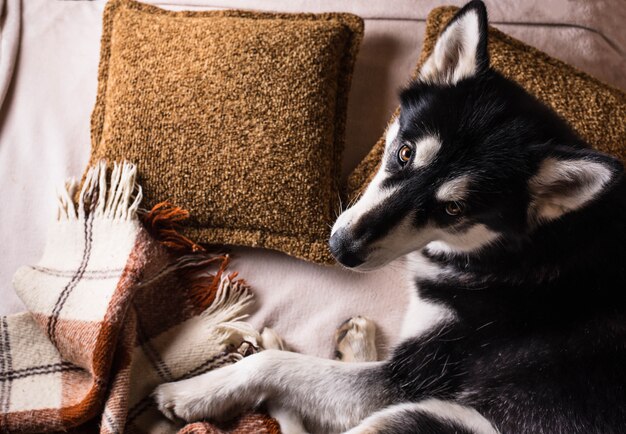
[516,232]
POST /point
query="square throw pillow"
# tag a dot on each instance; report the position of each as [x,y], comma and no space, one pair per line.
[236,116]
[594,109]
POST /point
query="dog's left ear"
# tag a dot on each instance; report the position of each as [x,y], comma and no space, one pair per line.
[568,179]
[461,50]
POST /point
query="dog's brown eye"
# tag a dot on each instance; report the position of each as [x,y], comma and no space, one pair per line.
[455,208]
[404,154]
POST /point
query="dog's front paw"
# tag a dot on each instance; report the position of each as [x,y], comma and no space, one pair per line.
[218,395]
[356,340]
[178,401]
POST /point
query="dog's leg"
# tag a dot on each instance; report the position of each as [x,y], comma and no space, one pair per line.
[431,416]
[355,341]
[290,422]
[331,394]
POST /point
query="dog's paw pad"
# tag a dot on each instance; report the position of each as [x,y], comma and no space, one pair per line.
[355,340]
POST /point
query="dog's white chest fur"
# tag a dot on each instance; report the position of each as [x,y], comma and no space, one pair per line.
[422,315]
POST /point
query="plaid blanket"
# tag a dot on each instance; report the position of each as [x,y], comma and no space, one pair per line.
[112,313]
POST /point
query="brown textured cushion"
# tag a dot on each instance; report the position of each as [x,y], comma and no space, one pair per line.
[235,116]
[594,109]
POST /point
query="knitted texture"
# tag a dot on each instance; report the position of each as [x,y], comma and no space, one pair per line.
[111,315]
[595,110]
[237,117]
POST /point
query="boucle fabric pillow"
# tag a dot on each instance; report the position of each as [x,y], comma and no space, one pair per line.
[236,116]
[594,109]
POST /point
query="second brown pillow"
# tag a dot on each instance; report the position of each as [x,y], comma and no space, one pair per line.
[595,110]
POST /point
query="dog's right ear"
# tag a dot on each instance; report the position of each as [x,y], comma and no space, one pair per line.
[461,50]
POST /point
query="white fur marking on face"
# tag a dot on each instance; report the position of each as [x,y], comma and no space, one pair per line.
[472,239]
[374,194]
[425,151]
[392,132]
[454,56]
[562,186]
[455,189]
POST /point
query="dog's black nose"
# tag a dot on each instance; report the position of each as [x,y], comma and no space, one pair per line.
[342,253]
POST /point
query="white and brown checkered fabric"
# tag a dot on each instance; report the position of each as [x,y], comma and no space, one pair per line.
[111,314]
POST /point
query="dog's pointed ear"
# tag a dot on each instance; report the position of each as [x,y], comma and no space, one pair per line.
[461,50]
[568,179]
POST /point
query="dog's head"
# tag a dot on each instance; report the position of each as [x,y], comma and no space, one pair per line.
[471,159]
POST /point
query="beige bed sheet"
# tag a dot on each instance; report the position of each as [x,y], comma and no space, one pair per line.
[44,133]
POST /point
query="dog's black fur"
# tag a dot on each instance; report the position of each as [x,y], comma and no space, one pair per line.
[539,340]
[526,327]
